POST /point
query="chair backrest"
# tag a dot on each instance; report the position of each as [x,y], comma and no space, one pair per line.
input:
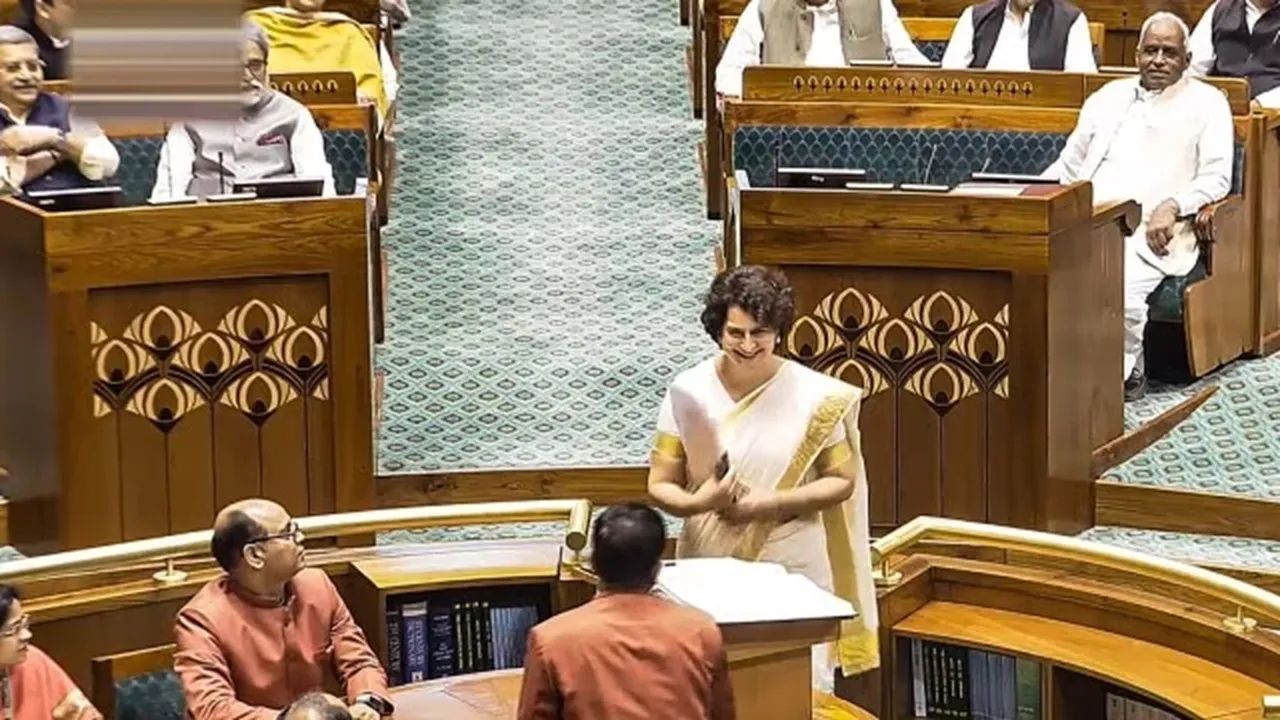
[913,123]
[138,685]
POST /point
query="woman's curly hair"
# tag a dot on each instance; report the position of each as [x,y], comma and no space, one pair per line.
[764,293]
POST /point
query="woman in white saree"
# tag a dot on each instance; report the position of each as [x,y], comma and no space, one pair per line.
[796,490]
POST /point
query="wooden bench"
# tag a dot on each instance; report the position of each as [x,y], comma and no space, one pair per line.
[1025,118]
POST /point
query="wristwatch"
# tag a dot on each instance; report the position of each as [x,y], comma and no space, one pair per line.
[381,706]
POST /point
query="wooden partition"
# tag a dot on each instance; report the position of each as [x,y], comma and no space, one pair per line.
[1077,635]
[985,333]
[165,361]
[1220,321]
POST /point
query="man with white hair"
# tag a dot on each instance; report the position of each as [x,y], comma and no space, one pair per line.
[1238,38]
[274,137]
[1162,139]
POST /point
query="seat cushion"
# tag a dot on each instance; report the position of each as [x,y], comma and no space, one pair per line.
[1164,304]
[150,696]
[346,150]
[896,155]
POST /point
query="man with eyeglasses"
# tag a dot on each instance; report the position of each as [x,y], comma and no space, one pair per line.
[275,136]
[43,145]
[1162,139]
[269,630]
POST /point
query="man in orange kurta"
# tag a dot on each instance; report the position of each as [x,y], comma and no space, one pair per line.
[627,654]
[269,630]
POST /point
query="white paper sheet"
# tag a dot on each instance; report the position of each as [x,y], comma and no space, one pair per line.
[734,591]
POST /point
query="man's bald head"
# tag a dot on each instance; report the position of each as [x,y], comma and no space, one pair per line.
[238,524]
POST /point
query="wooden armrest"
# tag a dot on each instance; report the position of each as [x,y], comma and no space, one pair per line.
[1125,212]
[1213,217]
[1219,224]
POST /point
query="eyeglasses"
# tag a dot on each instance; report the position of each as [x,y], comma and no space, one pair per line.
[290,533]
[255,66]
[16,627]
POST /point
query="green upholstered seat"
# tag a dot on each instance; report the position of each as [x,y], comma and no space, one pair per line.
[346,150]
[916,155]
[150,696]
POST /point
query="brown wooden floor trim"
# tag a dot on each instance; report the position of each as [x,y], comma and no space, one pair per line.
[1154,508]
[1126,446]
[600,485]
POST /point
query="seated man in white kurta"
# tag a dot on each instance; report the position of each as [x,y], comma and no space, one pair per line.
[818,33]
[1166,141]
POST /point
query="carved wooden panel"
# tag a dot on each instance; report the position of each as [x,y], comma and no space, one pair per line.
[930,349]
[211,392]
[317,88]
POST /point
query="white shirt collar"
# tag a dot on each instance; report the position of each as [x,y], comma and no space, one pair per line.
[1141,94]
[825,8]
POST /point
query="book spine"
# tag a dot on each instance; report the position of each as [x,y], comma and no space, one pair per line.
[1028,683]
[395,663]
[414,621]
[919,708]
[462,630]
[441,642]
[484,635]
[937,680]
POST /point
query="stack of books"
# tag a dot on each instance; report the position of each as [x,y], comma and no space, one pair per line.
[950,681]
[441,634]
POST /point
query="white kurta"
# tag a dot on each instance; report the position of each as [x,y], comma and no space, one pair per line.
[825,48]
[1131,143]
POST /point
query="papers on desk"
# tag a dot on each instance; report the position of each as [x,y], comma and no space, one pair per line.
[736,591]
[989,189]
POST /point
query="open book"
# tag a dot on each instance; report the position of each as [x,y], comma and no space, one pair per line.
[735,591]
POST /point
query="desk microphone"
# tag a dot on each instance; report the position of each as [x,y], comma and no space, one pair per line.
[222,176]
[168,160]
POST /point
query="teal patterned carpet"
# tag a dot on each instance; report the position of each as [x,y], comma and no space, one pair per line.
[547,246]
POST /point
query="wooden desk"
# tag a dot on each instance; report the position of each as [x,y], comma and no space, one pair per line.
[496,695]
[173,359]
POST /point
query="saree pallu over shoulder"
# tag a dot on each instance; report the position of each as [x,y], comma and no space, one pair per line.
[846,526]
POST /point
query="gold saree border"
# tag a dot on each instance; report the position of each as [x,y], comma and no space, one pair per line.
[830,411]
[832,458]
[668,445]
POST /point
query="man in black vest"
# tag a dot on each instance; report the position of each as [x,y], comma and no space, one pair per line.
[1239,38]
[1020,35]
[42,146]
[49,22]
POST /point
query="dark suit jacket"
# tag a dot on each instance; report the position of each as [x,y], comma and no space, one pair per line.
[626,656]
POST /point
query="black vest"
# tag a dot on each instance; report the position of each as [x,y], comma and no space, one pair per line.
[52,111]
[1239,53]
[1051,22]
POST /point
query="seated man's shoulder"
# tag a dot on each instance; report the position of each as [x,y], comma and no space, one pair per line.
[208,604]
[1207,92]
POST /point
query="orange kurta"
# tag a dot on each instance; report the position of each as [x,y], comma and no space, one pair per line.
[238,660]
[43,691]
[626,656]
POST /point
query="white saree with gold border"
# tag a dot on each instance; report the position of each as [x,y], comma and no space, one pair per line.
[791,430]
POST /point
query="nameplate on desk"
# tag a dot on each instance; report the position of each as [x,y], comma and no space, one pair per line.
[920,188]
[984,177]
[180,200]
[989,189]
[869,186]
[231,197]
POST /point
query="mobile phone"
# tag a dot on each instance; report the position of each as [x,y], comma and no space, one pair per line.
[722,467]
